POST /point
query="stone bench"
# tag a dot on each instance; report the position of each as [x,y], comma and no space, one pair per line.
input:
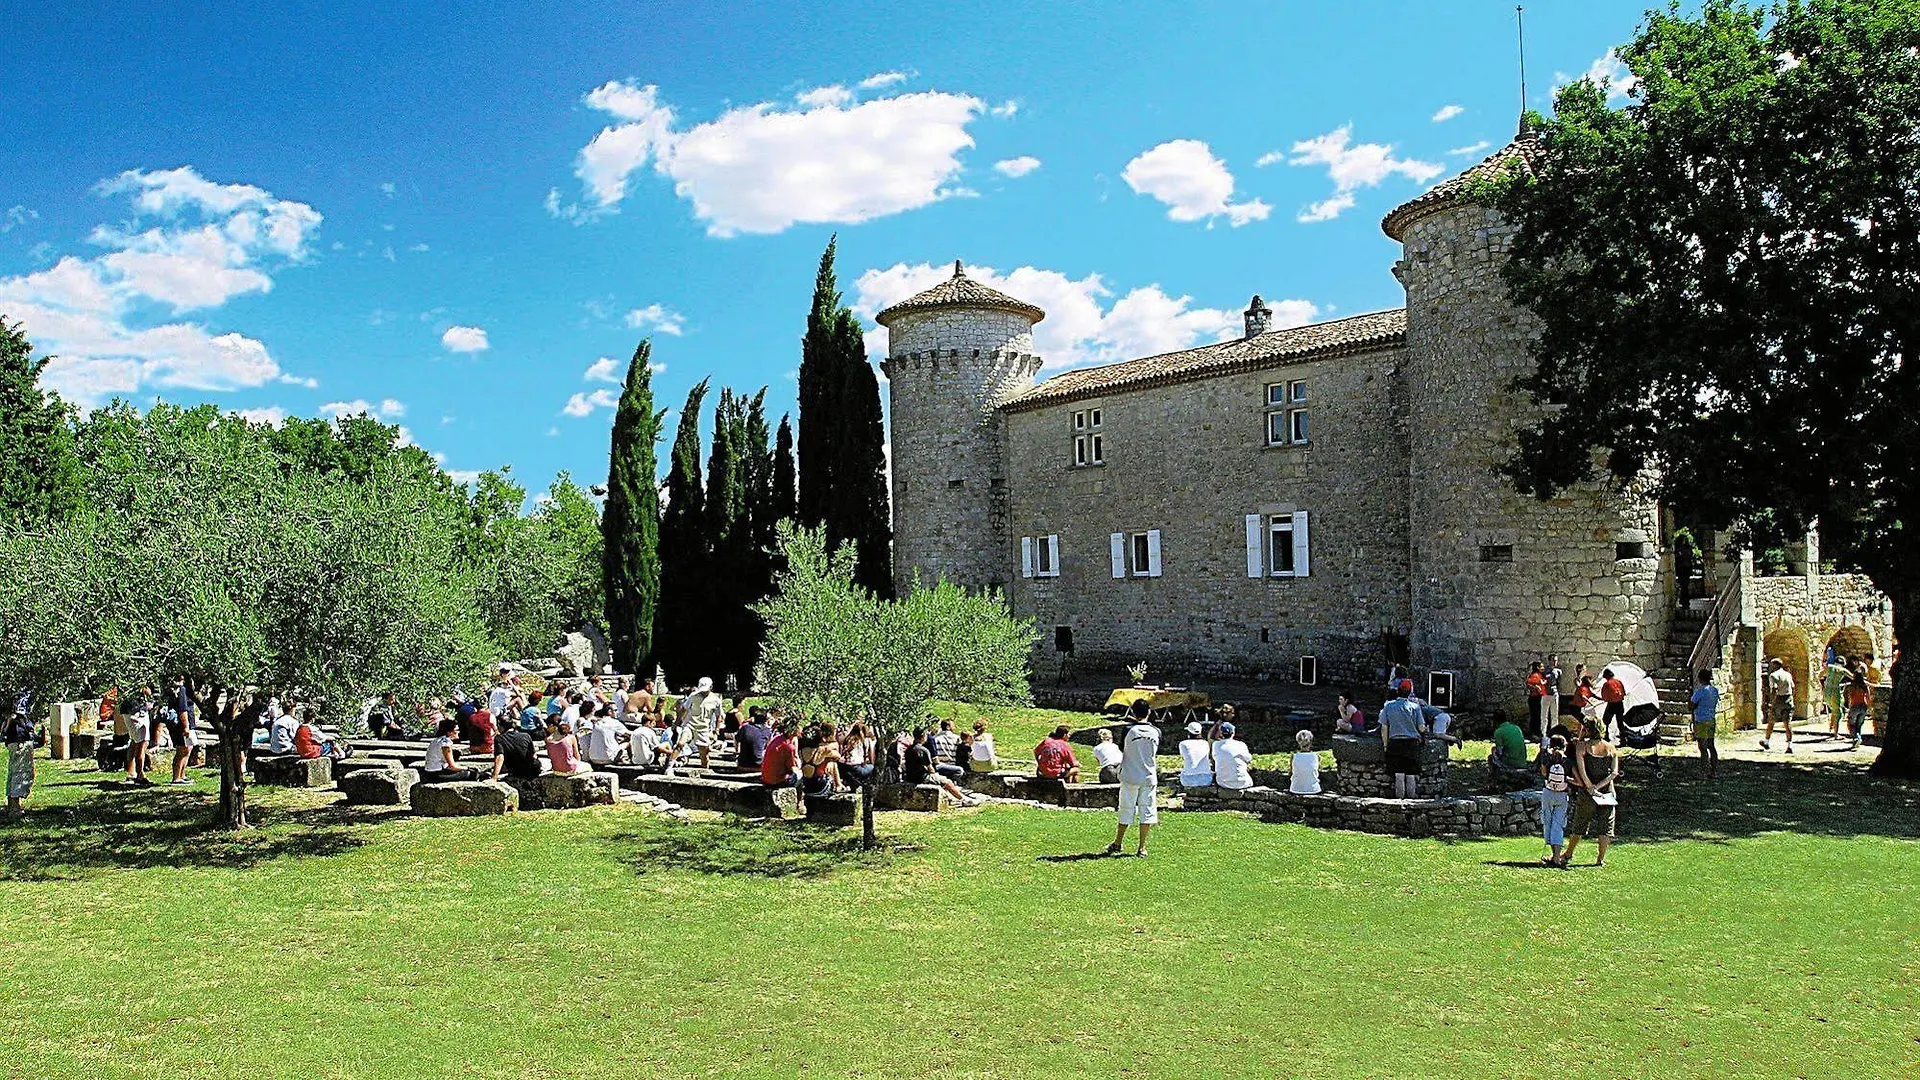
[1360,766]
[558,791]
[378,787]
[724,796]
[1091,796]
[1001,783]
[290,771]
[1517,814]
[921,798]
[464,798]
[838,811]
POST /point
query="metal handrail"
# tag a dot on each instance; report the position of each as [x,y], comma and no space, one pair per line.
[1723,616]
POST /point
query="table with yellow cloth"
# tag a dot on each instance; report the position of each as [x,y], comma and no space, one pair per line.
[1161,700]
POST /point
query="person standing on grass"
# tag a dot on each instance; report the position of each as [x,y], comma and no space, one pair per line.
[1139,780]
[1613,694]
[1779,703]
[704,707]
[1596,810]
[1554,798]
[1537,699]
[1833,688]
[19,735]
[139,719]
[1569,688]
[1706,720]
[1402,725]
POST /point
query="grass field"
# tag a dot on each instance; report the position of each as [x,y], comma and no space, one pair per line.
[1760,927]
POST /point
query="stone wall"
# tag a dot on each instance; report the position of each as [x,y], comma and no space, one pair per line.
[1191,461]
[1360,767]
[1796,617]
[1517,814]
[1564,589]
[947,371]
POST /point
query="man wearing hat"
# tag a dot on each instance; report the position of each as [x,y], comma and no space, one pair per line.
[1196,758]
[1232,759]
[1401,725]
[1779,703]
[704,707]
[1139,780]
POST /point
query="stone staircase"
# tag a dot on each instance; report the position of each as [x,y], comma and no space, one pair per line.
[1672,678]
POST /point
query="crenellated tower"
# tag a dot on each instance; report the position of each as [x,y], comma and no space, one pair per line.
[955,353]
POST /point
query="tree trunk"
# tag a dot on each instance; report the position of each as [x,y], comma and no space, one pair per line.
[1900,742]
[235,725]
[868,838]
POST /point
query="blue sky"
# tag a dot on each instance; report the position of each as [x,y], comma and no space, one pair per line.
[448,214]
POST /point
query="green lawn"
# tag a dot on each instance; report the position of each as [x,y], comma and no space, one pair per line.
[1762,927]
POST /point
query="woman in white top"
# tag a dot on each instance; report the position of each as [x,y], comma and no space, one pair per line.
[443,761]
[1196,758]
[1305,766]
[982,759]
[1108,755]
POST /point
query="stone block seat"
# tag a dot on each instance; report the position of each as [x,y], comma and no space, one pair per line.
[838,811]
[286,770]
[1001,783]
[740,797]
[1091,796]
[922,798]
[1516,814]
[557,791]
[1360,766]
[378,787]
[464,798]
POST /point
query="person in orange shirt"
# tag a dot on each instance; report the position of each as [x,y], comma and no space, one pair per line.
[1537,699]
[1614,693]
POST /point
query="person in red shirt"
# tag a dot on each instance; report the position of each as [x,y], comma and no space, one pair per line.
[480,732]
[1614,693]
[1537,698]
[780,764]
[308,742]
[1054,759]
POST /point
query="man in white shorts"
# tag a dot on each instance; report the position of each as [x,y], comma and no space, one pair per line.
[1139,780]
[139,734]
[704,707]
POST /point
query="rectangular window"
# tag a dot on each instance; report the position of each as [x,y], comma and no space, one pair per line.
[1047,551]
[1088,445]
[1633,549]
[1142,560]
[1280,545]
[1496,552]
[1286,413]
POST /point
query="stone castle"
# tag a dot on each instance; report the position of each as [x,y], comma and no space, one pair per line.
[1324,491]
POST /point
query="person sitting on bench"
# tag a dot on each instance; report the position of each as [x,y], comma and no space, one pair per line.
[513,755]
[780,765]
[1053,759]
[309,743]
[752,739]
[443,760]
[563,750]
[920,769]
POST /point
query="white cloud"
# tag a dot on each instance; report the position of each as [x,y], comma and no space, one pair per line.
[464,477]
[1016,167]
[1471,149]
[883,80]
[762,168]
[387,189]
[307,381]
[1006,109]
[192,244]
[658,317]
[1607,71]
[387,409]
[419,247]
[1350,168]
[584,403]
[605,369]
[824,97]
[17,216]
[1446,113]
[1081,326]
[272,416]
[464,339]
[1194,185]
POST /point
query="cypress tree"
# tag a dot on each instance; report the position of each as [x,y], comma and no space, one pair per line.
[684,550]
[757,461]
[630,523]
[858,504]
[819,383]
[784,503]
[39,470]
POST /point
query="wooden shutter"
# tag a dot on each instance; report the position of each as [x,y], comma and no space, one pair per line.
[1053,556]
[1153,552]
[1255,536]
[1119,555]
[1026,556]
[1299,543]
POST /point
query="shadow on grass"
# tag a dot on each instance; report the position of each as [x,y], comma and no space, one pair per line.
[753,848]
[1821,798]
[109,826]
[1080,856]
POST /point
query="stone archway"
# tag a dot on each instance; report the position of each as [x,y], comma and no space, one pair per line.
[1853,642]
[1789,645]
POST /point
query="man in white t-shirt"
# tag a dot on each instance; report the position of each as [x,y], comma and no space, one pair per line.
[602,744]
[1779,703]
[1196,758]
[501,694]
[704,708]
[1232,761]
[1139,780]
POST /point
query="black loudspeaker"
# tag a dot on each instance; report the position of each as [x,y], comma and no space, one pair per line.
[1063,639]
[1440,689]
[1309,671]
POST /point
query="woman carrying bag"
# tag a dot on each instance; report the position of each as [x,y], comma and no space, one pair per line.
[1596,810]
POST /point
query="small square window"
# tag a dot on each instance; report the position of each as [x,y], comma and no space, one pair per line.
[1276,393]
[1496,552]
[956,484]
[1297,390]
[1632,549]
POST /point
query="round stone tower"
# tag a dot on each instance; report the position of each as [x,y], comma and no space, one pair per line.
[1501,578]
[955,353]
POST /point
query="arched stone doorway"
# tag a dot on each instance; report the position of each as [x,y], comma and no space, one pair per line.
[1789,645]
[1853,642]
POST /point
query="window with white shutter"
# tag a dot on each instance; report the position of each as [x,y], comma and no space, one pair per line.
[1153,552]
[1047,553]
[1026,556]
[1286,545]
[1119,541]
[1300,561]
[1256,558]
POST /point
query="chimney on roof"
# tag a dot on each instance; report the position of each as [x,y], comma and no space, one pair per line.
[957,272]
[1259,317]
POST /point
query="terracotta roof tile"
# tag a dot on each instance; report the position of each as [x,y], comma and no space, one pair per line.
[960,291]
[1522,151]
[1340,337]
